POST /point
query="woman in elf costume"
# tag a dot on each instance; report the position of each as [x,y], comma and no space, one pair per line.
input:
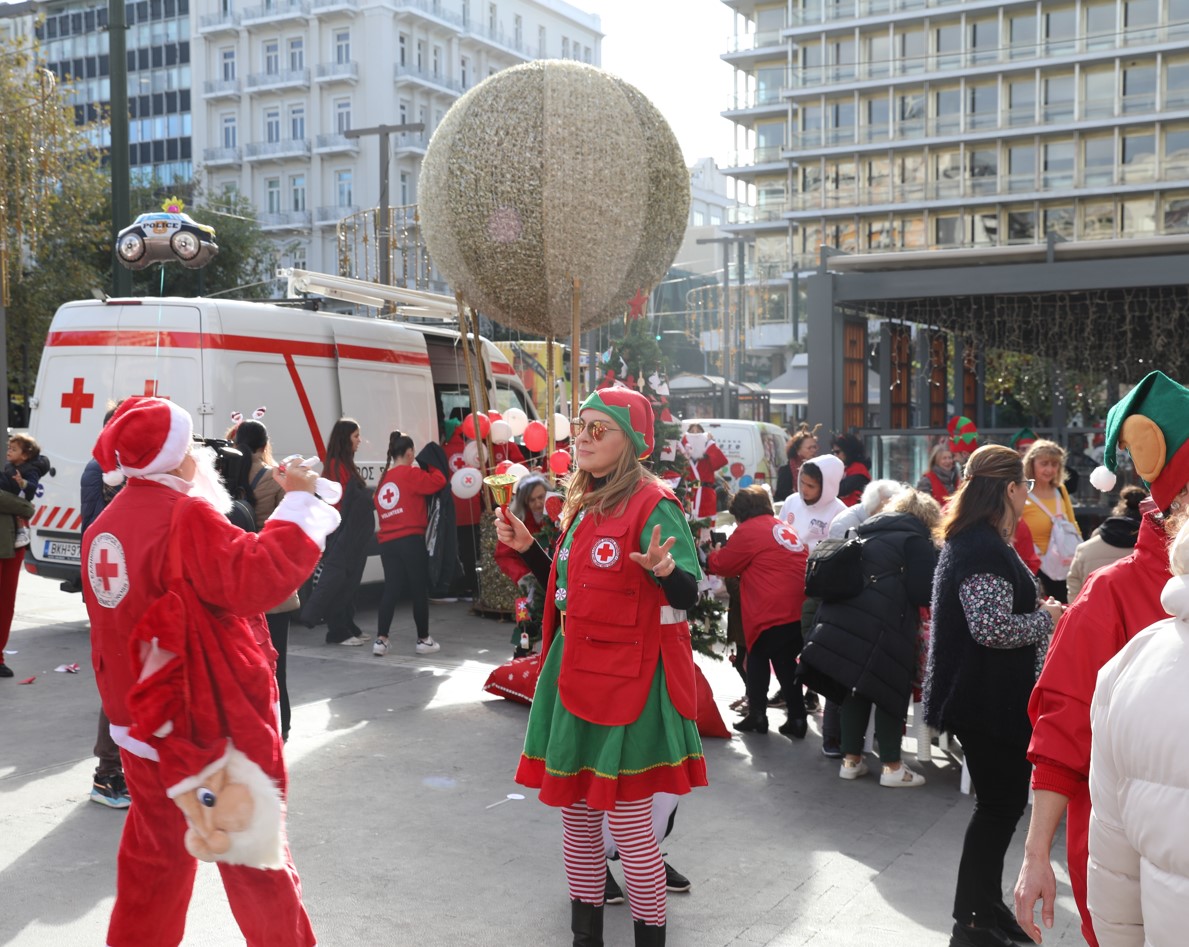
[613,718]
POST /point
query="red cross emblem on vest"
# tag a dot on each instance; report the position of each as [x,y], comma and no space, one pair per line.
[787,537]
[388,496]
[605,553]
[107,569]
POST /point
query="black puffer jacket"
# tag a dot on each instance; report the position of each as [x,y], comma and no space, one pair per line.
[868,644]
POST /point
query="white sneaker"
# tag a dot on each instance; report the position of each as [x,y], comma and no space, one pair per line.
[353,642]
[444,599]
[900,778]
[22,538]
[380,648]
[852,770]
[427,646]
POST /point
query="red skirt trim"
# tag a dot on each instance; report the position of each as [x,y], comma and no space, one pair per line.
[601,791]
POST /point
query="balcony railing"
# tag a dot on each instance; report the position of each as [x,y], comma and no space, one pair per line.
[285,220]
[767,155]
[286,79]
[330,216]
[407,141]
[333,142]
[218,22]
[755,99]
[439,81]
[222,156]
[275,11]
[759,214]
[286,148]
[433,8]
[337,71]
[333,6]
[744,42]
[221,88]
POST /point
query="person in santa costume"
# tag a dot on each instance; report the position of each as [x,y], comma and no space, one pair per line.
[183,661]
[613,719]
[1115,604]
[705,457]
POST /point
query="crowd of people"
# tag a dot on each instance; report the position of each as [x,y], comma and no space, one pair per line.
[971,590]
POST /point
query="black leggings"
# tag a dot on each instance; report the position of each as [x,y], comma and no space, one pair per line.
[278,630]
[406,572]
[1000,773]
[779,645]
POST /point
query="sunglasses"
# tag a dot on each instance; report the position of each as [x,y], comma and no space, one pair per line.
[596,429]
[1028,484]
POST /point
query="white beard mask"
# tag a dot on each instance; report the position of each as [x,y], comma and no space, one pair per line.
[206,482]
[695,445]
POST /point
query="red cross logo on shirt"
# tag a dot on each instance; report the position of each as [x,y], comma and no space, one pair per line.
[77,401]
[388,496]
[787,537]
[605,553]
[107,570]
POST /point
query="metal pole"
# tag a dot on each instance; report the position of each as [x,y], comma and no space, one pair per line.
[726,320]
[385,230]
[741,323]
[121,208]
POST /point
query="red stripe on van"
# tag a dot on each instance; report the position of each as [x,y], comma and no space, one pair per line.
[149,338]
[502,368]
[65,518]
[77,524]
[306,408]
[37,516]
[49,518]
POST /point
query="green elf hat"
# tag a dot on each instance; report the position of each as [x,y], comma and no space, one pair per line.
[631,411]
[1024,438]
[963,435]
[1152,424]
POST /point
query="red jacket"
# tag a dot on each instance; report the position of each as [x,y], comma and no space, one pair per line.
[1116,603]
[703,499]
[399,500]
[769,559]
[613,626]
[852,470]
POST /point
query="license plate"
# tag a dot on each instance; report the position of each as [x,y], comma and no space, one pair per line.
[64,551]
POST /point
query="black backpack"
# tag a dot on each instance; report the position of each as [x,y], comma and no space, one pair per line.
[834,571]
[241,512]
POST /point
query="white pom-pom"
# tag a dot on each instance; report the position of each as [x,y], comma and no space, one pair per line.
[1102,479]
[113,478]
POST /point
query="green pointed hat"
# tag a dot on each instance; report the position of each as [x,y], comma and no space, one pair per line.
[1151,424]
[631,411]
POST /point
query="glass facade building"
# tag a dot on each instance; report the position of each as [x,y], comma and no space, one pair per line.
[879,125]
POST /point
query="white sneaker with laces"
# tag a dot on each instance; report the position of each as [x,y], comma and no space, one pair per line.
[900,778]
[427,646]
[380,648]
[851,769]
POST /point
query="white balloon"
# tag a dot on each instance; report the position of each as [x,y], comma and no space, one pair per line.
[501,432]
[518,471]
[466,483]
[472,453]
[561,427]
[517,421]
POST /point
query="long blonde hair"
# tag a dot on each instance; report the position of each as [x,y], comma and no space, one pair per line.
[1041,449]
[625,479]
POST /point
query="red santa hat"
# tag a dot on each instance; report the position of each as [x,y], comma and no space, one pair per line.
[144,436]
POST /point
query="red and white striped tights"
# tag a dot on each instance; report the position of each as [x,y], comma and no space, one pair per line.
[639,853]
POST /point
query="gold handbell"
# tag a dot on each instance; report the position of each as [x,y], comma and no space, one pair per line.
[501,486]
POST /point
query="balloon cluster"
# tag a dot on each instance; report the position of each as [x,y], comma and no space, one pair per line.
[502,428]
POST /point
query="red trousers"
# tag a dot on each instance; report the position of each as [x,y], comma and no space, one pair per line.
[10,574]
[156,875]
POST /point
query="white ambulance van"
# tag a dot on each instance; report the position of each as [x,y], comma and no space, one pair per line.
[218,357]
[753,448]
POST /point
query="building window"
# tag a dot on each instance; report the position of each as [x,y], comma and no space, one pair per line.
[1021,101]
[1060,28]
[420,64]
[230,137]
[1058,164]
[272,187]
[464,71]
[227,61]
[565,47]
[493,18]
[910,49]
[1139,156]
[437,62]
[947,231]
[272,126]
[342,115]
[1021,167]
[518,30]
[910,115]
[1021,224]
[541,41]
[297,192]
[1058,219]
[466,12]
[1058,98]
[1098,93]
[272,57]
[299,258]
[1097,220]
[403,111]
[403,50]
[1022,35]
[982,106]
[879,54]
[297,122]
[297,54]
[949,46]
[984,41]
[1139,88]
[699,217]
[342,47]
[1098,160]
[1176,213]
[405,195]
[1174,162]
[1140,18]
[586,54]
[1101,24]
[948,111]
[342,188]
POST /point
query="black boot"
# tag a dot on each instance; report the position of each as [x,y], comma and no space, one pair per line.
[795,728]
[753,723]
[586,921]
[649,935]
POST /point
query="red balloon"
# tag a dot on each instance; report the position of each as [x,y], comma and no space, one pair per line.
[502,466]
[736,468]
[535,436]
[468,425]
[494,416]
[553,506]
[559,461]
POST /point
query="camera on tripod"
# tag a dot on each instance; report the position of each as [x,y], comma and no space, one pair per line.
[230,461]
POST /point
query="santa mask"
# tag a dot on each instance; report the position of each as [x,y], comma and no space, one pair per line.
[695,445]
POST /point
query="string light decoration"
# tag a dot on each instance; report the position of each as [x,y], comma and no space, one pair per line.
[546,172]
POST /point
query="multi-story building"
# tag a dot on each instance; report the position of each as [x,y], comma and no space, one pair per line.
[74,46]
[280,83]
[872,125]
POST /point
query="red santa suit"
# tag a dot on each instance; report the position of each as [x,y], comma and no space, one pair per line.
[186,680]
[1116,603]
[705,458]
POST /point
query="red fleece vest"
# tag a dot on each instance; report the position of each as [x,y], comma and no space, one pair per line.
[613,625]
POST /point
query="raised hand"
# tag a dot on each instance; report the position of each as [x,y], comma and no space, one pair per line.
[656,558]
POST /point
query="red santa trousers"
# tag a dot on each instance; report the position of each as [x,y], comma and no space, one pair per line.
[156,875]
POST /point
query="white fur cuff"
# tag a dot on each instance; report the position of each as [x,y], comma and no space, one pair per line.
[316,519]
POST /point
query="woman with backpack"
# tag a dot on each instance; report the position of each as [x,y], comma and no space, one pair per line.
[400,500]
[263,493]
[862,651]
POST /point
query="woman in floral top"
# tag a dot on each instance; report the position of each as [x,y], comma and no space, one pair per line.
[990,634]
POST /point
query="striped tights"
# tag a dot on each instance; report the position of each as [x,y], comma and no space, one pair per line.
[639,853]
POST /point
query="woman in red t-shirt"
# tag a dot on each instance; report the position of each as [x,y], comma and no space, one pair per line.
[400,504]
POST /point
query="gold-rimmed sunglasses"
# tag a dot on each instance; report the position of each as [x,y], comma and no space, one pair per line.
[596,429]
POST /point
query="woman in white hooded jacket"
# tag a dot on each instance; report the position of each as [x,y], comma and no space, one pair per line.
[1138,880]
